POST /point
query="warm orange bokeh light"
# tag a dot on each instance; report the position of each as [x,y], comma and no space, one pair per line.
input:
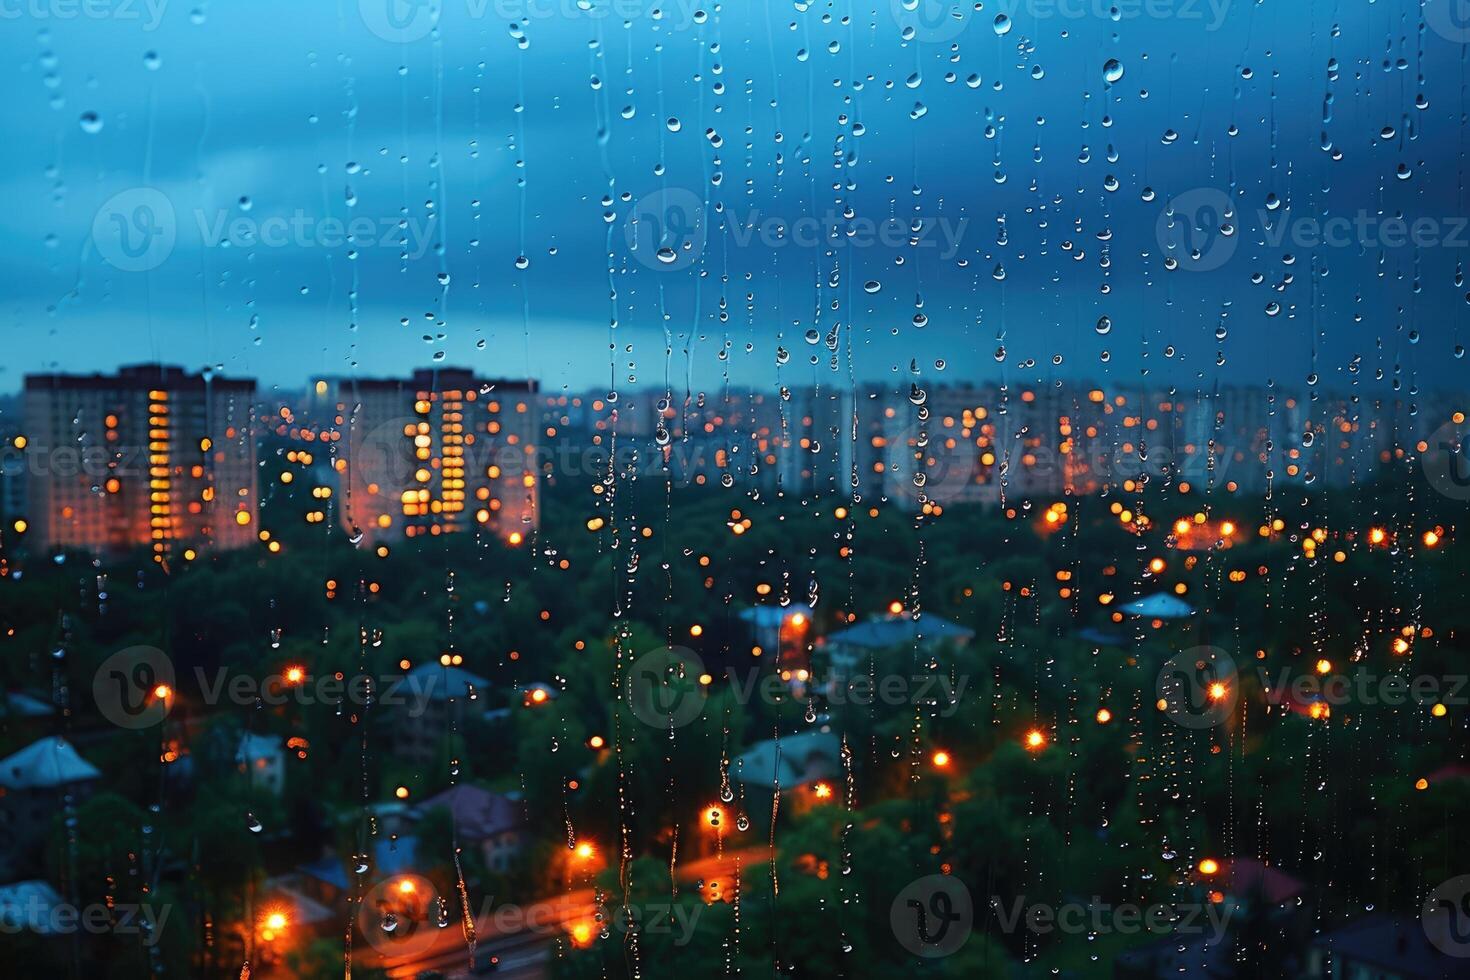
[941,759]
[1209,866]
[1035,739]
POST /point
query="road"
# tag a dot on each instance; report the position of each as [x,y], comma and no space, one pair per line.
[523,935]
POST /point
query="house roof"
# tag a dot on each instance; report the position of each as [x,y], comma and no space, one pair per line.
[793,761]
[1398,944]
[1160,605]
[766,617]
[390,857]
[1102,638]
[45,763]
[1455,770]
[1246,876]
[1174,956]
[478,813]
[893,631]
[254,747]
[28,905]
[24,706]
[440,683]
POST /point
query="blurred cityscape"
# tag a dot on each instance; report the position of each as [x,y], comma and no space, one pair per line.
[154,455]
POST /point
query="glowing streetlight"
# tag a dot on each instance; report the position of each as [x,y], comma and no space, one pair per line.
[273,925]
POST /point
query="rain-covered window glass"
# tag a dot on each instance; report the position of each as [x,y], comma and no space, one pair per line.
[600,489]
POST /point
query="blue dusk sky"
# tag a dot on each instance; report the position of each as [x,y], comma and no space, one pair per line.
[614,192]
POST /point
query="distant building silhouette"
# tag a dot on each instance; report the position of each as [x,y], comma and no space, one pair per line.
[439,452]
[149,457]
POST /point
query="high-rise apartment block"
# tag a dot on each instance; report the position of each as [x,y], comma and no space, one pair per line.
[440,452]
[149,457]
